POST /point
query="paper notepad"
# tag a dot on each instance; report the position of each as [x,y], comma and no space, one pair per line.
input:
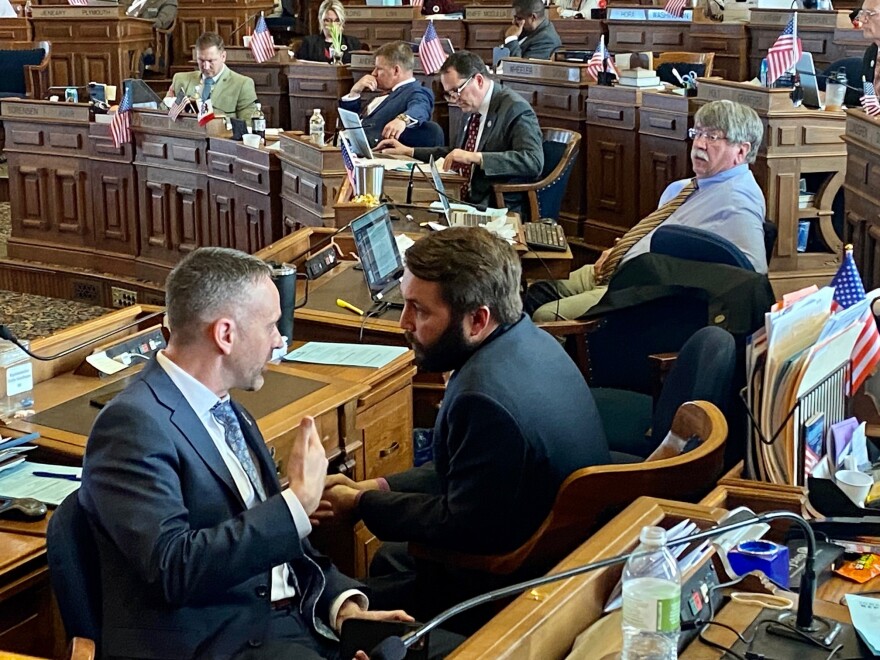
[865,614]
[348,355]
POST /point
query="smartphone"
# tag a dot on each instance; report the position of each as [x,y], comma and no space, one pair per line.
[71,95]
[365,634]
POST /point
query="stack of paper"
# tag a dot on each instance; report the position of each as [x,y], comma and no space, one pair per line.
[47,483]
[865,614]
[12,450]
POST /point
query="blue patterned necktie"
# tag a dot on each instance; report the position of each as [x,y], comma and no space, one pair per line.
[206,88]
[224,414]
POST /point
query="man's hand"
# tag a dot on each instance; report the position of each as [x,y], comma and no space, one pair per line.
[340,496]
[393,129]
[307,466]
[351,610]
[597,267]
[367,83]
[392,146]
[513,31]
[462,157]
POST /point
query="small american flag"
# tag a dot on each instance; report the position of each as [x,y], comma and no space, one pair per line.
[431,51]
[78,3]
[180,102]
[675,7]
[596,65]
[417,3]
[848,290]
[120,125]
[870,104]
[784,52]
[262,45]
[349,166]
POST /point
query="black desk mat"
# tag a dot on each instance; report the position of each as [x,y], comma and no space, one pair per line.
[279,389]
[350,286]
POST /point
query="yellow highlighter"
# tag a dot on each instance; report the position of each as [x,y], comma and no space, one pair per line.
[347,305]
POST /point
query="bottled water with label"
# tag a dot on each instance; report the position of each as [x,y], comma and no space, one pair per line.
[316,128]
[651,600]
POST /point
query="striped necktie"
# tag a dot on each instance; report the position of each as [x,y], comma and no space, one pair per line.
[224,414]
[644,227]
[470,144]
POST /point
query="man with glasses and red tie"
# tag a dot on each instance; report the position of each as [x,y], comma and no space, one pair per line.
[722,198]
[869,20]
[501,140]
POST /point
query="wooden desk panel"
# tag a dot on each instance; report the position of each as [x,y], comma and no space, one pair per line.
[579,34]
[316,85]
[862,191]
[15,29]
[486,26]
[379,25]
[270,81]
[228,18]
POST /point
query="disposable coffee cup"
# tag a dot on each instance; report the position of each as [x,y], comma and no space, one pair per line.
[834,94]
[856,485]
[251,140]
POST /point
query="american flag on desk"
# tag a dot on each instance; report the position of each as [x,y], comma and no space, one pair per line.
[675,7]
[431,51]
[262,45]
[120,125]
[180,102]
[869,101]
[417,3]
[349,165]
[784,52]
[848,290]
[78,3]
[596,65]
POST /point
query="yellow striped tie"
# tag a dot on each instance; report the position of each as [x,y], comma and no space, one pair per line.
[645,226]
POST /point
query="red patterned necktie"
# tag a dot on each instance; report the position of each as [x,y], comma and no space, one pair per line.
[470,144]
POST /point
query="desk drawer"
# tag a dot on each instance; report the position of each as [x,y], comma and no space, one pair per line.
[328,429]
[663,124]
[612,115]
[387,428]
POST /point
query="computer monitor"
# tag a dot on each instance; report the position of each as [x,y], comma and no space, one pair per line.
[354,135]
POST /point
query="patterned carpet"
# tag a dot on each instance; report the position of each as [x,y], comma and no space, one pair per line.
[31,317]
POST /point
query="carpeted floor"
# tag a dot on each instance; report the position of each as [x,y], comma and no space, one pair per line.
[31,317]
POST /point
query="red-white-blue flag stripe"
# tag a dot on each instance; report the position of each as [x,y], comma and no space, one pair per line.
[848,290]
[262,45]
[784,52]
[431,51]
[869,101]
[120,125]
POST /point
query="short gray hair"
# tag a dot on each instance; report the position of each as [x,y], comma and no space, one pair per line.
[208,283]
[738,122]
[334,6]
[473,268]
[397,53]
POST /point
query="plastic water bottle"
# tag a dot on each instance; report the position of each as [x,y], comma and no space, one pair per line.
[763,73]
[259,121]
[316,128]
[651,600]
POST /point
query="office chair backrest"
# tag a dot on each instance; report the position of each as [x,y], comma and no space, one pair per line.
[703,371]
[560,150]
[429,134]
[74,569]
[697,245]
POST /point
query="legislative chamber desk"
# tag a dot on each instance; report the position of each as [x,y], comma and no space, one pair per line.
[15,29]
[544,623]
[91,43]
[316,85]
[270,81]
[862,190]
[228,18]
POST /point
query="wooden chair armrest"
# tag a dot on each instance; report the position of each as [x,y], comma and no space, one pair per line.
[82,649]
[513,187]
[565,328]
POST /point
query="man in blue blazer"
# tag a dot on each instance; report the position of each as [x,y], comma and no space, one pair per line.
[405,103]
[202,554]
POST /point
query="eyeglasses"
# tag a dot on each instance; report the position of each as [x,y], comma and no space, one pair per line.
[454,94]
[866,14]
[694,133]
[331,21]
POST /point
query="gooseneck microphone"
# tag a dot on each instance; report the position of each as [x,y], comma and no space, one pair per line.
[449,198]
[244,23]
[394,648]
[7,334]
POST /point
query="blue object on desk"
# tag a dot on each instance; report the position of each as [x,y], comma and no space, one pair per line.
[765,556]
[58,475]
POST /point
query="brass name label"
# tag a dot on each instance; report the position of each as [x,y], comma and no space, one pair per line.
[76,12]
[70,112]
[478,13]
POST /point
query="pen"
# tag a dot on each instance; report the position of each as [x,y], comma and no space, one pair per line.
[58,475]
[347,305]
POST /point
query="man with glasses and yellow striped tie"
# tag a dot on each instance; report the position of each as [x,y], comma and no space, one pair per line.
[722,198]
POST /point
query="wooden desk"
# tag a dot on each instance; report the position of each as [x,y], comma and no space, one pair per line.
[15,29]
[485,28]
[379,25]
[316,85]
[91,43]
[862,191]
[579,33]
[228,18]
[270,81]
[558,93]
[311,178]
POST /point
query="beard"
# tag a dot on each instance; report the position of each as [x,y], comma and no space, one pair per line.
[449,352]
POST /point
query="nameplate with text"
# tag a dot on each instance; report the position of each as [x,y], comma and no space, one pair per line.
[862,127]
[478,13]
[61,11]
[78,112]
[362,60]
[531,70]
[380,13]
[761,99]
[626,14]
[813,19]
[665,16]
[240,54]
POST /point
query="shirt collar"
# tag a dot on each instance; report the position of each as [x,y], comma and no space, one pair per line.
[200,398]
[484,106]
[721,177]
[402,83]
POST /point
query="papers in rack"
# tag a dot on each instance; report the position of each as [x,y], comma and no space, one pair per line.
[350,355]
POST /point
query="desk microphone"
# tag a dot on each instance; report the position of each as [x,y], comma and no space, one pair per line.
[6,333]
[409,186]
[449,198]
[244,23]
[395,648]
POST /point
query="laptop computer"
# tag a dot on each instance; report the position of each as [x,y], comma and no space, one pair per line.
[809,83]
[358,144]
[380,258]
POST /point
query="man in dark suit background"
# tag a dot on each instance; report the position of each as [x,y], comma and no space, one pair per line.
[517,418]
[532,35]
[202,554]
[405,104]
[501,141]
[161,12]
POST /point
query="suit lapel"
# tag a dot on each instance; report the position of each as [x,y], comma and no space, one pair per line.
[189,425]
[257,445]
[491,117]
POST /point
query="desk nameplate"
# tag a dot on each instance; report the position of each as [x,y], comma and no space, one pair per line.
[477,13]
[863,128]
[761,99]
[516,68]
[239,54]
[185,126]
[91,13]
[34,110]
[806,19]
[381,13]
[304,153]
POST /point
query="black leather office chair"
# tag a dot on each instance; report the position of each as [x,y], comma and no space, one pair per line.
[697,245]
[74,570]
[703,371]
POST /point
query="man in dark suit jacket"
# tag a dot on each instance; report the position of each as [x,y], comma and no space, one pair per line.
[532,35]
[161,12]
[202,554]
[517,417]
[404,105]
[503,127]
